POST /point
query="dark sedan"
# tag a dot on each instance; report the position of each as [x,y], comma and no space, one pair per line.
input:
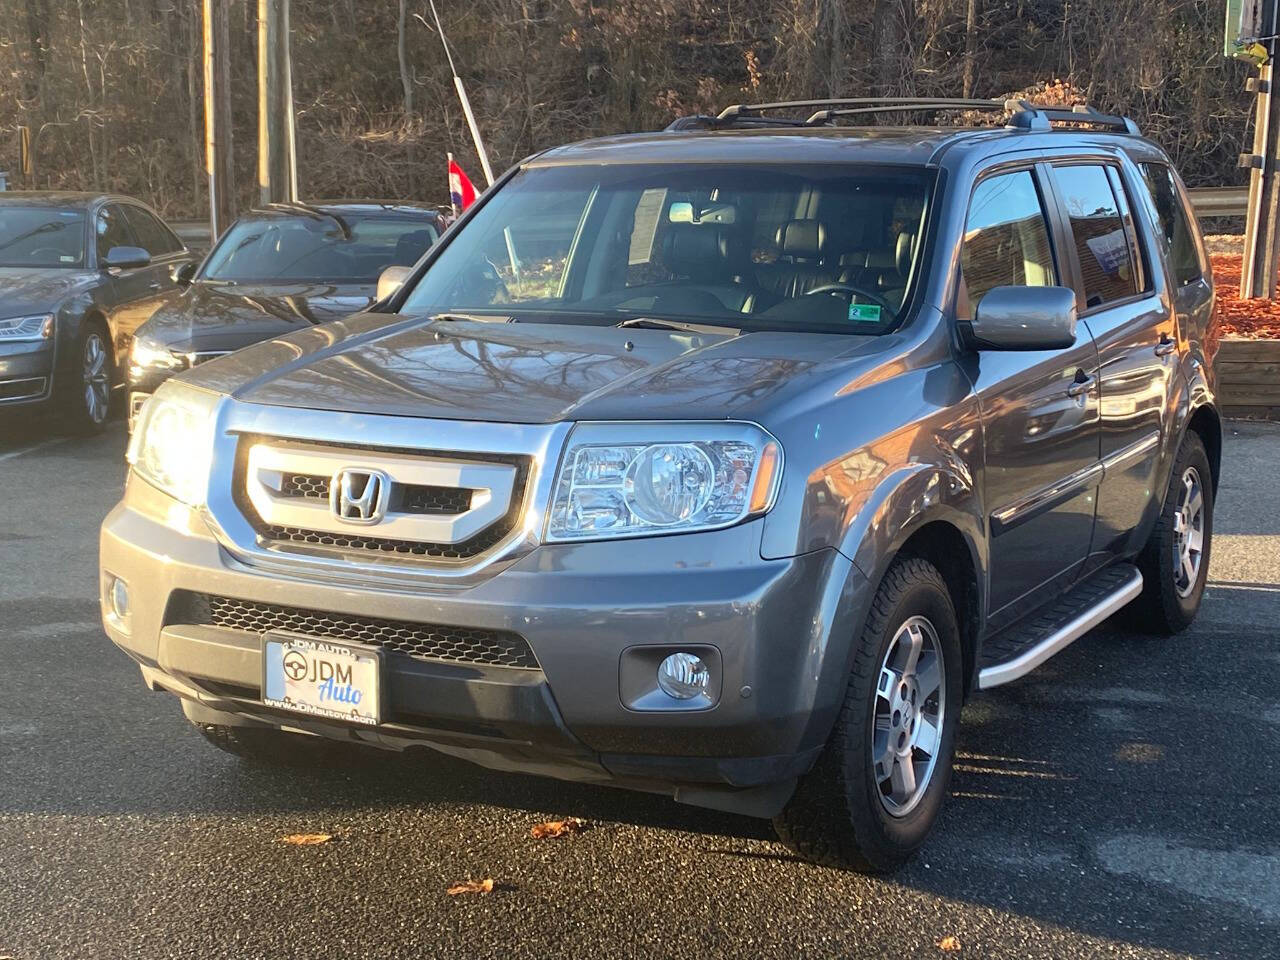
[72,265]
[275,270]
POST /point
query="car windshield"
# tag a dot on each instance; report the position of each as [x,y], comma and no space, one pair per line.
[319,247]
[768,247]
[41,237]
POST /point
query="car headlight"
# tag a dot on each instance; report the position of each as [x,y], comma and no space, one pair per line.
[172,444]
[146,353]
[26,329]
[643,479]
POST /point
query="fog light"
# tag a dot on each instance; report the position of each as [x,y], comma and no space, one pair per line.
[120,599]
[684,676]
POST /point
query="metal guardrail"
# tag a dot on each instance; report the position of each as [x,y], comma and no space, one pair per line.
[1220,201]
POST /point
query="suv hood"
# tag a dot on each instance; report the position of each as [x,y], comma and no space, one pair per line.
[530,373]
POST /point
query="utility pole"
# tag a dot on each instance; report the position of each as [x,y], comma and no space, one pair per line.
[217,117]
[1258,272]
[277,154]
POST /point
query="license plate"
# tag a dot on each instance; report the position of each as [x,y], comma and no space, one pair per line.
[337,681]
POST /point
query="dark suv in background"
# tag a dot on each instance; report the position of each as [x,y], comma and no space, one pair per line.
[723,462]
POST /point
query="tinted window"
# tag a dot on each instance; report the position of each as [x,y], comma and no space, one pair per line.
[112,230]
[1168,213]
[1097,228]
[1006,242]
[322,248]
[41,237]
[153,236]
[755,247]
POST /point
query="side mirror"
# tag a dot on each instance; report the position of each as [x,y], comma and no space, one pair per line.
[1024,318]
[182,273]
[126,258]
[391,280]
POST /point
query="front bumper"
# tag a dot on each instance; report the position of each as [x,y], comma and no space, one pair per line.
[780,630]
[26,372]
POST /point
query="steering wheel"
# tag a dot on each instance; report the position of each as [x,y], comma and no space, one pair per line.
[853,292]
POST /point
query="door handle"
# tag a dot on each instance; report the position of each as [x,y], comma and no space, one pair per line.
[1082,385]
[155,285]
[1166,346]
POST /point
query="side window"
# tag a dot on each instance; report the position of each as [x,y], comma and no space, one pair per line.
[1006,241]
[112,230]
[1097,227]
[1170,217]
[153,236]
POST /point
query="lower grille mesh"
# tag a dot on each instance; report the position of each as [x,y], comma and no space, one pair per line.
[422,641]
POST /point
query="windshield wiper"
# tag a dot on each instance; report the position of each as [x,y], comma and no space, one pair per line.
[36,231]
[653,323]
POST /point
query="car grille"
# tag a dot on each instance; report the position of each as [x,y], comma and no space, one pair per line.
[411,498]
[407,498]
[422,641]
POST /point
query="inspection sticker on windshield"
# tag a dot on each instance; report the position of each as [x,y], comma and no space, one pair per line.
[864,312]
[336,681]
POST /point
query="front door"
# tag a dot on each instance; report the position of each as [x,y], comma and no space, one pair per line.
[1039,408]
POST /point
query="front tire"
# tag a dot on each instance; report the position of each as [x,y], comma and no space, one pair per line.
[87,395]
[876,790]
[1175,560]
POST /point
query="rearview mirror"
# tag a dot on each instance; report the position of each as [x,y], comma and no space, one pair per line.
[182,273]
[126,258]
[717,213]
[391,280]
[1024,318]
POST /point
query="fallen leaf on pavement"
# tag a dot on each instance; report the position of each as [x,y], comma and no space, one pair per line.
[558,828]
[949,945]
[306,839]
[471,886]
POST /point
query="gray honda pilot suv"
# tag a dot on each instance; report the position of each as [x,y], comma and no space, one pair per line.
[723,462]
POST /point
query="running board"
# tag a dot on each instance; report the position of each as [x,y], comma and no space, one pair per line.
[1016,652]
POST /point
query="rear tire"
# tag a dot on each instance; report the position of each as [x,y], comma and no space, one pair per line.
[860,807]
[86,397]
[1175,560]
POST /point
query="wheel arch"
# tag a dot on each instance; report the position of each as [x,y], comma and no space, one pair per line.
[1206,423]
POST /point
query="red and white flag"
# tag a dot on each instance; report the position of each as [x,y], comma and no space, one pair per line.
[462,193]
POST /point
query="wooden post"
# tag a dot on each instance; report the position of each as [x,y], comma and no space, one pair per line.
[276,154]
[1258,272]
[218,152]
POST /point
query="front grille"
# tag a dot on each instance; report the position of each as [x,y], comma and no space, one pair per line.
[410,499]
[406,497]
[422,641]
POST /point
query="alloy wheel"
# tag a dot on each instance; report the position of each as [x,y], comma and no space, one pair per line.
[95,378]
[908,715]
[1188,533]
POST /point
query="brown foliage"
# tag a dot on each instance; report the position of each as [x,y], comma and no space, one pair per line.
[110,88]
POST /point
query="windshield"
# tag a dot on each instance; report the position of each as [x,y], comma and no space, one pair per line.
[318,248]
[753,247]
[41,237]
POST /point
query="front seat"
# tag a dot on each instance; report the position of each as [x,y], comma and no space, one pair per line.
[706,255]
[800,267]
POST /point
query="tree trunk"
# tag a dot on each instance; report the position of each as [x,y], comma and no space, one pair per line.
[887,35]
[402,53]
[970,47]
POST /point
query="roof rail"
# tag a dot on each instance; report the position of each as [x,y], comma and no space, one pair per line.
[1025,115]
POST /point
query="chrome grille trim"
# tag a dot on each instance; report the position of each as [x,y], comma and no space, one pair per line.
[539,445]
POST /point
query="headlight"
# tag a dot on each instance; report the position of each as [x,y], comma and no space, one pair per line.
[172,444]
[146,353]
[26,329]
[642,479]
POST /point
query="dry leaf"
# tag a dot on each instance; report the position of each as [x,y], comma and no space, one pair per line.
[558,828]
[306,839]
[949,945]
[471,886]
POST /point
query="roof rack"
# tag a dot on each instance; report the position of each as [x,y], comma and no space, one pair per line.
[1024,114]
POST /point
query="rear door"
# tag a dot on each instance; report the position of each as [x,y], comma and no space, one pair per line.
[167,251]
[1039,408]
[1120,293]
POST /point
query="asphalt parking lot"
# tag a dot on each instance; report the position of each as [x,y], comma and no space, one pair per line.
[1121,802]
